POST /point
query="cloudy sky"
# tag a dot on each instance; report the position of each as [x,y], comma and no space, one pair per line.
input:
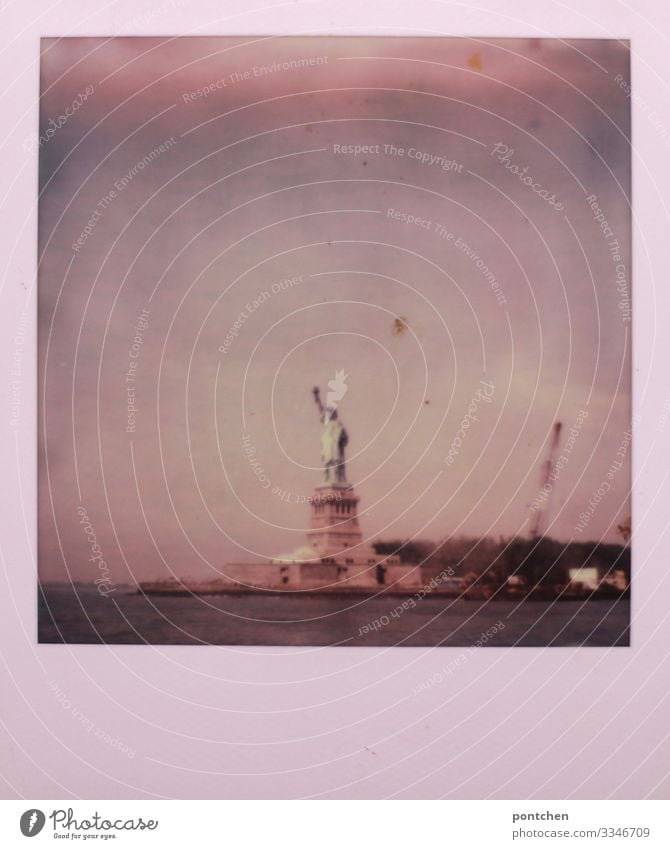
[185,181]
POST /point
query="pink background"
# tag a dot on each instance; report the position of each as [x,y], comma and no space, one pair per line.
[230,722]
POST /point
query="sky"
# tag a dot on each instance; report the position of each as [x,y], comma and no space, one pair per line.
[226,223]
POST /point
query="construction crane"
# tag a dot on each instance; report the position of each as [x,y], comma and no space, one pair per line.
[537,529]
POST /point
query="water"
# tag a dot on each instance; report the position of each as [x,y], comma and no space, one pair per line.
[81,615]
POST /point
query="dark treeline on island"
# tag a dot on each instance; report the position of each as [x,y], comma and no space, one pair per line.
[542,567]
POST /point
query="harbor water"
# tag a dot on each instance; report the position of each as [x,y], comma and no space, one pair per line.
[80,614]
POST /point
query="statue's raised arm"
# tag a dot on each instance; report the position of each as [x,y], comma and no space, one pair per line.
[317,397]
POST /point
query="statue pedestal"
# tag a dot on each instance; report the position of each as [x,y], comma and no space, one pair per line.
[336,556]
[334,528]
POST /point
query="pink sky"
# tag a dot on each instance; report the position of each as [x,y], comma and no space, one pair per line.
[251,192]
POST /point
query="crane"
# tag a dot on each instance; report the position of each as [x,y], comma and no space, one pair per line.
[537,530]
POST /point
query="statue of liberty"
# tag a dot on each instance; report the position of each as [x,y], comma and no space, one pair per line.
[334,437]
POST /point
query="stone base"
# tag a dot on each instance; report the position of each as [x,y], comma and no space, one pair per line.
[335,555]
[323,576]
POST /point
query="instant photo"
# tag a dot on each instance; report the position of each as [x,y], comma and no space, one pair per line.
[334,341]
